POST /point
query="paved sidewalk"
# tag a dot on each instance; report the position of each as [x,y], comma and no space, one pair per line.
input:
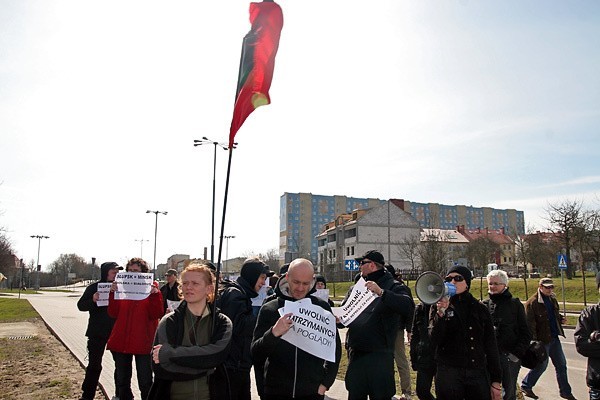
[59,312]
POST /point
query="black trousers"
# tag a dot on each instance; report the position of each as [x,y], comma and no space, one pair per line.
[423,385]
[231,384]
[309,397]
[370,375]
[124,370]
[453,383]
[95,347]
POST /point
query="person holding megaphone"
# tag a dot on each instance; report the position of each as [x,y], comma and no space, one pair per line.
[462,332]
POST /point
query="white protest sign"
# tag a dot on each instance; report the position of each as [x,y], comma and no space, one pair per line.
[357,302]
[103,291]
[262,294]
[322,294]
[172,305]
[313,330]
[133,285]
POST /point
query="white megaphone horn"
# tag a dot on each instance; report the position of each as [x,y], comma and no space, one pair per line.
[430,288]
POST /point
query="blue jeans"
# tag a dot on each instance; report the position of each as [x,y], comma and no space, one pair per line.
[594,394]
[555,352]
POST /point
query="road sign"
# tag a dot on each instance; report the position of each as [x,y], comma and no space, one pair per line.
[562,261]
[350,265]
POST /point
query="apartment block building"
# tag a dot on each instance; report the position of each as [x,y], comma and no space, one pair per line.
[302,217]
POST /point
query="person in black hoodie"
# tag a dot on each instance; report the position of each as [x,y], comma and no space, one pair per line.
[510,325]
[421,353]
[371,337]
[289,372]
[235,301]
[99,328]
[461,329]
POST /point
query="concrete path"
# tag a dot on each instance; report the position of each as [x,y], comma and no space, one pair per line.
[59,312]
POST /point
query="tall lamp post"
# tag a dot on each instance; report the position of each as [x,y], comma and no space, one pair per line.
[38,266]
[141,246]
[197,142]
[227,249]
[155,232]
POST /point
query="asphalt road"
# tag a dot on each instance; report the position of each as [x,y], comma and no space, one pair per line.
[60,313]
[547,386]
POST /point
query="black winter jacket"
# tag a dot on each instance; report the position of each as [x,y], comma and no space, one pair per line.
[406,319]
[464,337]
[288,370]
[510,325]
[182,363]
[234,301]
[421,351]
[375,329]
[589,321]
[99,323]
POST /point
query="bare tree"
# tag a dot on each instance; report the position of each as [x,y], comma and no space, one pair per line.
[409,247]
[434,252]
[566,217]
[68,263]
[481,252]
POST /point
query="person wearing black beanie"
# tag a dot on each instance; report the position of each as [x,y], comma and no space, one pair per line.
[235,301]
[466,353]
[464,272]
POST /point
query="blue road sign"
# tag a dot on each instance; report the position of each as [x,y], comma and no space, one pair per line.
[562,261]
[350,265]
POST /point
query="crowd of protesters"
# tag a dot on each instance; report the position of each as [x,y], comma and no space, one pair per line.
[197,338]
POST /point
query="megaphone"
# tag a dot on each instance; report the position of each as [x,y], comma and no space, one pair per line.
[430,287]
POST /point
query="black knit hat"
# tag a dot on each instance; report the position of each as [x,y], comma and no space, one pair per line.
[321,278]
[464,272]
[251,271]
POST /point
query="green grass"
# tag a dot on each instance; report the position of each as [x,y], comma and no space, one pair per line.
[14,310]
[16,291]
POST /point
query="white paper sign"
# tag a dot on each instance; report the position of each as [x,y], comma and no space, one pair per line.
[172,305]
[313,330]
[262,294]
[103,291]
[133,285]
[322,294]
[357,302]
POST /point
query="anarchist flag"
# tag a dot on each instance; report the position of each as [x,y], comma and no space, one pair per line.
[257,62]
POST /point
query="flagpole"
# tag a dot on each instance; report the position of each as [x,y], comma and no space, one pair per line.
[218,273]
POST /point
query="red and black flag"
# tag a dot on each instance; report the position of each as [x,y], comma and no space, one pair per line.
[257,62]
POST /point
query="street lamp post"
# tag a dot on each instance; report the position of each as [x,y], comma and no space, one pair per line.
[38,266]
[141,246]
[197,142]
[227,249]
[155,234]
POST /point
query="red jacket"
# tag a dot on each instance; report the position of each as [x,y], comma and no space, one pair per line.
[135,325]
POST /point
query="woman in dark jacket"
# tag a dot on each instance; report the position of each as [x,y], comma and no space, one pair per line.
[461,329]
[235,301]
[510,325]
[187,349]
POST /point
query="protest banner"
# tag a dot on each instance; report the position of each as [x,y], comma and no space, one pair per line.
[262,295]
[322,294]
[133,285]
[172,305]
[313,330]
[103,291]
[357,302]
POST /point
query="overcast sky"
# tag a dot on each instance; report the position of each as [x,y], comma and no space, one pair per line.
[483,103]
